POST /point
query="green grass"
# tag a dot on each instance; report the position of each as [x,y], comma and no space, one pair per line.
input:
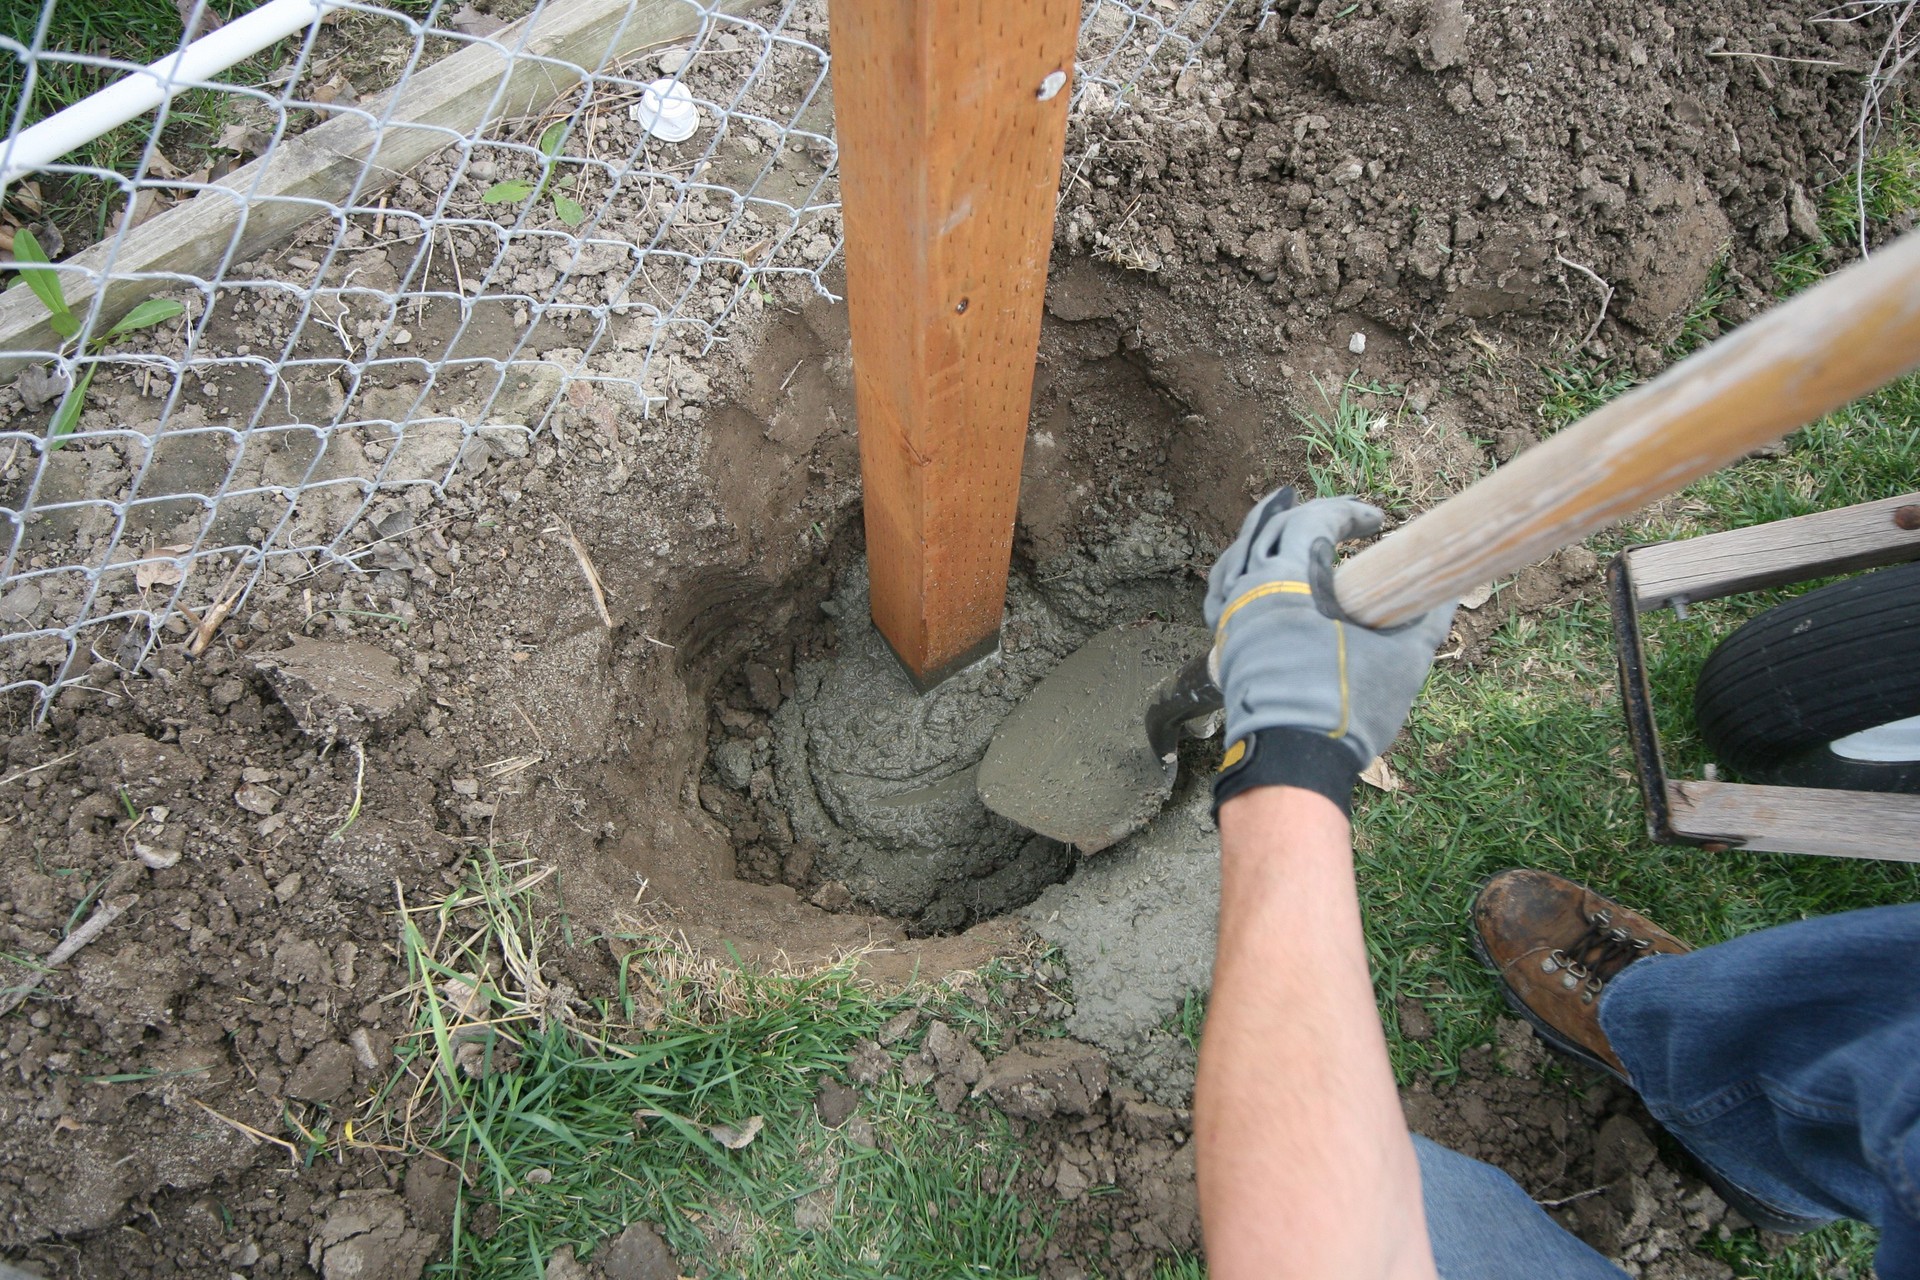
[1870,449]
[127,31]
[1844,1250]
[1525,762]
[1891,187]
[1577,386]
[1347,447]
[605,1116]
[130,33]
[1188,1020]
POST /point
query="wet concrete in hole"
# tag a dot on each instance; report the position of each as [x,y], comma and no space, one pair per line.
[880,782]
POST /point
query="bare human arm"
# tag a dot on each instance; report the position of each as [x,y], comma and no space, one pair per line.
[1306,1168]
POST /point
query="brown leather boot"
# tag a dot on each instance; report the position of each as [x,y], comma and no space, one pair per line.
[1556,945]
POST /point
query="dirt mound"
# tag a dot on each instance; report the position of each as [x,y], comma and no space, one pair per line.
[1116,1169]
[1583,1148]
[1414,168]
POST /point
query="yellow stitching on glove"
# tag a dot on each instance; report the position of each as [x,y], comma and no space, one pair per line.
[1340,646]
[1265,589]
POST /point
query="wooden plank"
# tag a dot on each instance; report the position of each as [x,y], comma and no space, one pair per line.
[1839,824]
[951,135]
[1837,341]
[350,159]
[1864,536]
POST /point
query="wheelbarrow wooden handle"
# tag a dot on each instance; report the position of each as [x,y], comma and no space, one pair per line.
[1808,356]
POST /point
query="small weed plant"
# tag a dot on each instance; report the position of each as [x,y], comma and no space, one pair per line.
[37,273]
[520,190]
[1346,449]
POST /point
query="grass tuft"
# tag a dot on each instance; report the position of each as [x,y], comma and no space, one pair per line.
[1347,447]
[126,32]
[1576,388]
[572,1119]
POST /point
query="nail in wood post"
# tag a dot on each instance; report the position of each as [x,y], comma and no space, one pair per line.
[952,118]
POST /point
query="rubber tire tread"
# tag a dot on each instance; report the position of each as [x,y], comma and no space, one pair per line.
[1841,658]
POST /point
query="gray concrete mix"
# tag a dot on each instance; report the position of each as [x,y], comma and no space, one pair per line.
[881,779]
[1137,925]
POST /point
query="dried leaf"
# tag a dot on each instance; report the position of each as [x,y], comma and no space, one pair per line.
[735,1139]
[239,138]
[39,385]
[156,573]
[337,92]
[469,21]
[1380,775]
[144,204]
[196,24]
[464,995]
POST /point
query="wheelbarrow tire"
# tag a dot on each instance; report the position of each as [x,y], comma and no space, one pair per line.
[1812,692]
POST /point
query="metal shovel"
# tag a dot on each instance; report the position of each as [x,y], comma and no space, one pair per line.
[1088,757]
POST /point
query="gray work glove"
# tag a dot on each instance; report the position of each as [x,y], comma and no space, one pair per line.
[1311,695]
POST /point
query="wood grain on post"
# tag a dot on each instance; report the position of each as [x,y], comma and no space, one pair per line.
[1808,356]
[952,119]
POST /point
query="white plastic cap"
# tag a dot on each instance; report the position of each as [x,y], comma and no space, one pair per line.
[667,111]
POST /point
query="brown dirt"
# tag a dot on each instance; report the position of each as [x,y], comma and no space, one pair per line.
[1111,1172]
[1415,171]
[1408,172]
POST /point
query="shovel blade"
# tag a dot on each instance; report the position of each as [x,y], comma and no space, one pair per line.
[1072,761]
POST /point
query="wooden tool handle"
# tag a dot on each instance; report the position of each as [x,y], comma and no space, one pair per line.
[1834,343]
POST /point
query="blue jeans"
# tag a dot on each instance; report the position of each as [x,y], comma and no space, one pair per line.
[1787,1060]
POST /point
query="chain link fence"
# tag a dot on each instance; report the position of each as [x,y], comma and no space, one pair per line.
[330,284]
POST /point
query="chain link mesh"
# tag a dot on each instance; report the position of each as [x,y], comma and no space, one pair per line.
[359,332]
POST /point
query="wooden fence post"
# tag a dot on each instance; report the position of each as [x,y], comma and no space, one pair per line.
[952,119]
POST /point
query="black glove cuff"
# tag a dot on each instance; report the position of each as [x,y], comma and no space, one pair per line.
[1288,758]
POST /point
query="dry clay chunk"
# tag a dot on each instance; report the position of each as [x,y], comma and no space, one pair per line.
[366,1237]
[1047,1078]
[340,689]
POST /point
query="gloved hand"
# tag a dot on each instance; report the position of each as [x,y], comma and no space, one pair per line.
[1311,695]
